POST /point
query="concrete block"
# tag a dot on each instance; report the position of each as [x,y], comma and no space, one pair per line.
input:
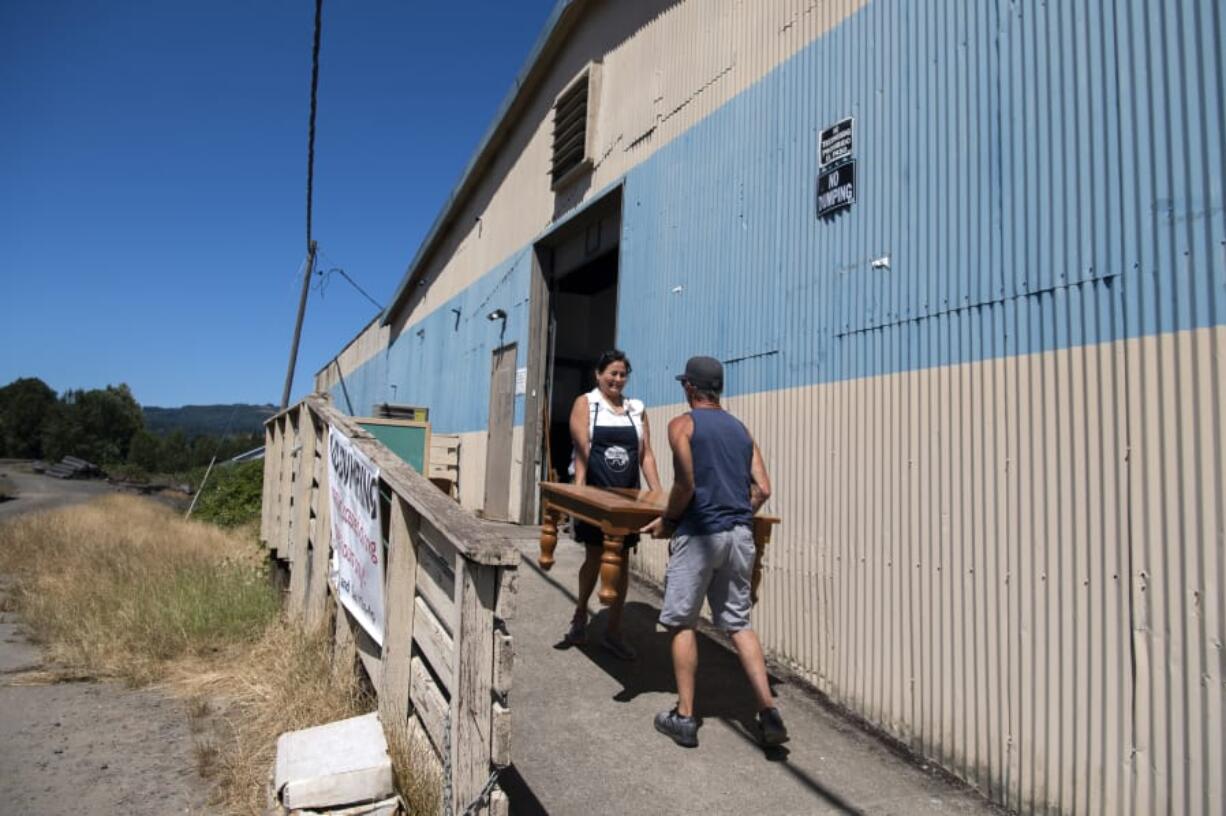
[333,765]
[388,807]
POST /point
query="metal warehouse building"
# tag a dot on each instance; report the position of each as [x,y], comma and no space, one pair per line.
[990,390]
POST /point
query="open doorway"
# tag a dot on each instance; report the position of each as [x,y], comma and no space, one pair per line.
[584,323]
[573,318]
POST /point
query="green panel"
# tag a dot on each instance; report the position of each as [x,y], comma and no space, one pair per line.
[405,441]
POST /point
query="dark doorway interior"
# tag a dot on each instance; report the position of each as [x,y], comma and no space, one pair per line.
[584,324]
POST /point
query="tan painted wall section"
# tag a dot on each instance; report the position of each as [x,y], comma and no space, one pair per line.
[971,557]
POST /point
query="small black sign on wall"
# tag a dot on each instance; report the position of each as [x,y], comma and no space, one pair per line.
[836,189]
[836,142]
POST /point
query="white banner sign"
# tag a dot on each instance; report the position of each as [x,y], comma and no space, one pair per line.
[356,570]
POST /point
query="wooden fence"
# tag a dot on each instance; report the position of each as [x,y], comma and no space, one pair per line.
[444,669]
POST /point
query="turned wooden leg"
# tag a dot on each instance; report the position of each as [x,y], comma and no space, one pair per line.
[612,562]
[549,538]
[761,537]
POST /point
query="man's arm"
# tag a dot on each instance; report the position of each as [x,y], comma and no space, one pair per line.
[760,487]
[679,432]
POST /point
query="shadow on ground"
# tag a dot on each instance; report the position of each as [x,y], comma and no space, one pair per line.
[722,692]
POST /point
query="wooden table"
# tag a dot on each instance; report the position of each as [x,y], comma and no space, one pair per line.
[619,512]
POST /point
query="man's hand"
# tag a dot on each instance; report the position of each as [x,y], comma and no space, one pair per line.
[660,528]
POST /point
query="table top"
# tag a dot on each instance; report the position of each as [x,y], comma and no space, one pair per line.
[617,511]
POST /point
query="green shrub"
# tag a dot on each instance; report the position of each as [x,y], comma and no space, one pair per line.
[232,495]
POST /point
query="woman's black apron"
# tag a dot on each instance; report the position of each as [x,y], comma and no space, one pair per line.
[612,461]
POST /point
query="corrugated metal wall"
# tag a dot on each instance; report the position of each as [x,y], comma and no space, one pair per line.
[999,462]
[999,458]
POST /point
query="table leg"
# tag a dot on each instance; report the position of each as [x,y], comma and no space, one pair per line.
[761,537]
[549,538]
[612,562]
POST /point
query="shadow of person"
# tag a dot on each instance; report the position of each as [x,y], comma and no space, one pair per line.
[721,689]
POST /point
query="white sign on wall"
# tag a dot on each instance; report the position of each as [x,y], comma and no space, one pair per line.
[356,569]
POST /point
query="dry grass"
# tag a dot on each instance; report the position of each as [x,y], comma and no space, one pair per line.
[122,586]
[282,682]
[419,779]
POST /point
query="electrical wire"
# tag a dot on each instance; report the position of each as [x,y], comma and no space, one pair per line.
[319,6]
[326,276]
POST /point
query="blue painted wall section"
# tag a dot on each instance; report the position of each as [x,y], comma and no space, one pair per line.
[443,361]
[1039,177]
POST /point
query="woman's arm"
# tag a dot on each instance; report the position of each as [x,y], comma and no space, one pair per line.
[648,459]
[579,436]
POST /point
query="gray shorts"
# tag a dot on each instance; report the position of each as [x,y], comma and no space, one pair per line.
[718,567]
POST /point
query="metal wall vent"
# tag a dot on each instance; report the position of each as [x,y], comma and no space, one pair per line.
[573,119]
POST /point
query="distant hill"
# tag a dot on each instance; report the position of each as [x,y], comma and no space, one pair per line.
[208,419]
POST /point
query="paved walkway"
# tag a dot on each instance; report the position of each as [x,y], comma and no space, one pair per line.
[584,743]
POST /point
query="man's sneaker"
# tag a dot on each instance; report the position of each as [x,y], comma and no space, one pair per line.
[771,729]
[683,730]
[576,635]
[618,648]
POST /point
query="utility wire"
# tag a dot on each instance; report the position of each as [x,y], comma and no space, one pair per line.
[323,282]
[319,8]
[310,190]
[326,276]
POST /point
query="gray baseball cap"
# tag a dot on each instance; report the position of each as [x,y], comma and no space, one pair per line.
[704,373]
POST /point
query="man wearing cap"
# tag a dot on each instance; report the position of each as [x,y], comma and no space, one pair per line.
[720,481]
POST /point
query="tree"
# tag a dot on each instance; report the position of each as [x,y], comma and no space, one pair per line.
[145,451]
[175,454]
[25,405]
[97,425]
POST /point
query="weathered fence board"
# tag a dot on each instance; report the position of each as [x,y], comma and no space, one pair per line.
[428,703]
[321,537]
[301,525]
[435,645]
[504,657]
[398,631]
[476,585]
[436,584]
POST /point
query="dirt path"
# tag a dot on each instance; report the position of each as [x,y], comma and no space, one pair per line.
[84,747]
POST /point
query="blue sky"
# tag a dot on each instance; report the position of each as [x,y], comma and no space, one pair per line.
[153,176]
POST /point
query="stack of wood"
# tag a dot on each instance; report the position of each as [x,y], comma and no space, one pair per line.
[70,467]
[445,463]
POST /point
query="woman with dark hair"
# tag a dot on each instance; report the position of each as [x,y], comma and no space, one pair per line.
[612,444]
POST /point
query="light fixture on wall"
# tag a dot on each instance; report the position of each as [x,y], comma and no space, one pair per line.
[499,314]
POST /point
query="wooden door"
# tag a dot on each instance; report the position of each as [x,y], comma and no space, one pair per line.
[498,446]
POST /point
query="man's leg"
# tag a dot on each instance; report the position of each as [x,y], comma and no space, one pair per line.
[685,667]
[685,583]
[749,650]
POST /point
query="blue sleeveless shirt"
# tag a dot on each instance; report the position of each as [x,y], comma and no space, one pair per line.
[723,458]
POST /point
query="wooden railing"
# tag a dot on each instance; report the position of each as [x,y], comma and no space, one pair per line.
[444,670]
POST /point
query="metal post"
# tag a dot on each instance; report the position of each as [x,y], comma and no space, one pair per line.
[302,302]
